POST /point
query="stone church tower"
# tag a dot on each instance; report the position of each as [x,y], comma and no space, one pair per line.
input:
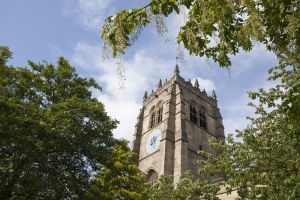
[175,122]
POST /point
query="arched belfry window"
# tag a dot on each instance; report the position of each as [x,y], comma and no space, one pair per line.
[152,120]
[193,113]
[203,122]
[152,117]
[152,176]
[155,114]
[159,113]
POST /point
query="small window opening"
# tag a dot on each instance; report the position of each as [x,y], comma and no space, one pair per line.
[152,176]
[200,147]
[152,120]
[203,122]
[159,116]
[193,114]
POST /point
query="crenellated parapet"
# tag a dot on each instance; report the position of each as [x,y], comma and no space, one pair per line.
[155,93]
[177,79]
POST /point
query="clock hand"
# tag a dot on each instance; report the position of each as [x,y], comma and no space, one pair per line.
[155,138]
[152,141]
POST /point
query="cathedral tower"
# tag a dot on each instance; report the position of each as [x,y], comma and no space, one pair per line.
[175,122]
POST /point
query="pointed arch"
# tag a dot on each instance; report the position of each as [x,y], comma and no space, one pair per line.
[152,109]
[152,117]
[156,114]
[152,176]
[193,112]
[159,103]
[159,111]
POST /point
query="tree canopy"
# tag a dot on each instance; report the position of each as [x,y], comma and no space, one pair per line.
[266,164]
[215,28]
[53,133]
[188,188]
[121,179]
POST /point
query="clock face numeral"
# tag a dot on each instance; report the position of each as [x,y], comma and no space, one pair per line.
[153,141]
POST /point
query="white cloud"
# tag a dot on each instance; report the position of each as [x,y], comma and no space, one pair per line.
[123,110]
[142,73]
[143,70]
[258,57]
[56,51]
[206,84]
[86,56]
[235,113]
[90,13]
[153,60]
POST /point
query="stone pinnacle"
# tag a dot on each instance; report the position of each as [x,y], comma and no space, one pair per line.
[196,83]
[176,71]
[145,95]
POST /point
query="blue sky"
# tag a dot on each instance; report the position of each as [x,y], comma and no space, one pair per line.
[43,30]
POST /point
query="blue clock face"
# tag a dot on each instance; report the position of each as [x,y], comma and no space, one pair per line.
[153,141]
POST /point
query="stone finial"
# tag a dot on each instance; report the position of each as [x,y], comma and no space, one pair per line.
[145,95]
[214,96]
[204,92]
[196,83]
[152,91]
[166,80]
[159,85]
[176,71]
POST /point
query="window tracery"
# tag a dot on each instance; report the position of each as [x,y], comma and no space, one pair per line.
[152,120]
[203,122]
[159,115]
[152,117]
[193,113]
[156,115]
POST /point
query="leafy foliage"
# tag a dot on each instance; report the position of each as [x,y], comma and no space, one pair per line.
[161,189]
[186,189]
[122,180]
[266,164]
[190,188]
[215,28]
[53,134]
